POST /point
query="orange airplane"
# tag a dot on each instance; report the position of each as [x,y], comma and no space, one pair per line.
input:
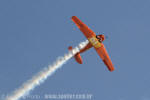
[94,41]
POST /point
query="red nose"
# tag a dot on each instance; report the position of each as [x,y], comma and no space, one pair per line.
[102,37]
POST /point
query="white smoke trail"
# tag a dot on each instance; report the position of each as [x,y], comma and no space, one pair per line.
[43,75]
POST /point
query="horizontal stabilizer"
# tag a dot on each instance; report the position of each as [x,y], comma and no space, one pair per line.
[77,56]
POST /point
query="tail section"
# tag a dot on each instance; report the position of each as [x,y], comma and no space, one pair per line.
[77,57]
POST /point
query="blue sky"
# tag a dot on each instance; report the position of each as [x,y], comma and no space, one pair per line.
[33,33]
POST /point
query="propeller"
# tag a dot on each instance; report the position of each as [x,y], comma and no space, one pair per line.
[107,41]
[106,35]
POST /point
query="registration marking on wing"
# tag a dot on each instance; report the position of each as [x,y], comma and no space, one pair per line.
[94,41]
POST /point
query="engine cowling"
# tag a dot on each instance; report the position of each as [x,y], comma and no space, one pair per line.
[101,37]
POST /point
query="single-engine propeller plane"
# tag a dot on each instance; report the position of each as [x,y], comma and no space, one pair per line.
[94,41]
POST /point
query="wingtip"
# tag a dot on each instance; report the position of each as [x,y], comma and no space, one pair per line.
[112,69]
[73,17]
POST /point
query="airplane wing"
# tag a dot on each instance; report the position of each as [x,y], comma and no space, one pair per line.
[88,33]
[102,52]
[91,36]
[84,28]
